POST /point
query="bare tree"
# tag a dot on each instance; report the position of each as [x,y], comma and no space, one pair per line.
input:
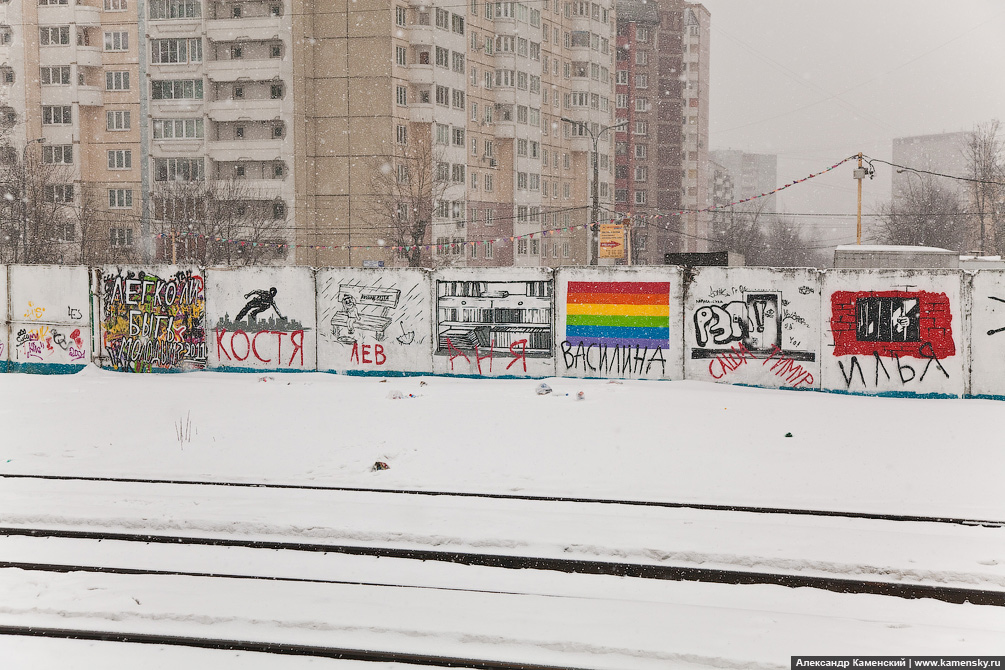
[36,207]
[219,222]
[925,212]
[404,187]
[986,167]
[739,229]
[784,245]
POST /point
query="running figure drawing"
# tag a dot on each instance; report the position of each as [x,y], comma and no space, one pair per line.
[261,301]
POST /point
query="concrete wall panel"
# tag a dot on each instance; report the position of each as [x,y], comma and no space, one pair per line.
[494,322]
[618,323]
[893,332]
[374,321]
[261,318]
[987,334]
[152,318]
[4,330]
[756,326]
[49,320]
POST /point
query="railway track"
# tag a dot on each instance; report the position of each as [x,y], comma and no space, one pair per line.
[515,562]
[988,523]
[282,648]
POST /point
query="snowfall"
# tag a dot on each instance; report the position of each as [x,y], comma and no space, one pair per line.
[677,442]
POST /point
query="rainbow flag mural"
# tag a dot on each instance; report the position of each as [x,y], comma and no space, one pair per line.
[628,314]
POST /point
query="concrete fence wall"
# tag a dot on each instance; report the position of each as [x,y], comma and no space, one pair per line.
[932,333]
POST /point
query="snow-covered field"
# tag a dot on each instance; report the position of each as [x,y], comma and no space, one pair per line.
[681,442]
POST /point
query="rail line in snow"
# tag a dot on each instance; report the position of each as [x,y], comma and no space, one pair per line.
[579,566]
[340,653]
[989,523]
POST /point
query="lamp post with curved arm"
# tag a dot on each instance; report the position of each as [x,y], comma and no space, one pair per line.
[593,252]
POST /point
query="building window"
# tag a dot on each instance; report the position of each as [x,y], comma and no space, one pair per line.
[121,237]
[521,247]
[535,247]
[640,151]
[641,57]
[54,35]
[57,154]
[442,96]
[401,95]
[55,75]
[489,250]
[175,9]
[276,92]
[58,193]
[120,198]
[442,133]
[458,137]
[275,51]
[56,115]
[442,57]
[457,23]
[117,41]
[457,62]
[279,210]
[116,5]
[178,169]
[178,89]
[641,104]
[641,81]
[489,181]
[399,16]
[640,197]
[120,159]
[442,19]
[118,120]
[401,55]
[457,97]
[401,134]
[174,51]
[177,129]
[116,81]
[457,173]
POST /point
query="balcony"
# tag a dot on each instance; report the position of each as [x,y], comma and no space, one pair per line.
[422,35]
[246,150]
[421,74]
[505,129]
[261,109]
[234,69]
[254,189]
[420,113]
[90,96]
[252,28]
[88,56]
[85,15]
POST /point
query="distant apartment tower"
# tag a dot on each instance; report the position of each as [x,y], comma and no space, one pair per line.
[662,163]
[154,109]
[479,89]
[942,152]
[752,174]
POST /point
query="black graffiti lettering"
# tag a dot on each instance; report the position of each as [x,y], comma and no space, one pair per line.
[657,356]
[901,368]
[570,360]
[879,366]
[928,351]
[607,360]
[851,371]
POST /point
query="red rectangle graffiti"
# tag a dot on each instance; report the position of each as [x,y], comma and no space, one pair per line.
[914,324]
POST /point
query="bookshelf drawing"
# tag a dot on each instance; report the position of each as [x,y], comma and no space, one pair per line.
[494,315]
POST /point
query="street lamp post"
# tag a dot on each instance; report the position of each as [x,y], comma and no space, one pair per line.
[24,196]
[594,253]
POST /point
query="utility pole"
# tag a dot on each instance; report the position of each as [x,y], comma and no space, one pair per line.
[594,249]
[859,175]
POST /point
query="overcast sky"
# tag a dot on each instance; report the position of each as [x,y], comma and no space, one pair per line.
[814,82]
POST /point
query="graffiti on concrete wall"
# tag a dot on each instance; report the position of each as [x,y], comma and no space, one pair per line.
[754,328]
[252,336]
[39,340]
[891,325]
[367,319]
[617,327]
[481,321]
[151,322]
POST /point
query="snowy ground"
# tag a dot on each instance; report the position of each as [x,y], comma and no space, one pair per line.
[657,441]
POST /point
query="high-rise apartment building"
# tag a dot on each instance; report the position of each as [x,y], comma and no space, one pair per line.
[751,174]
[168,119]
[465,102]
[942,152]
[296,129]
[662,163]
